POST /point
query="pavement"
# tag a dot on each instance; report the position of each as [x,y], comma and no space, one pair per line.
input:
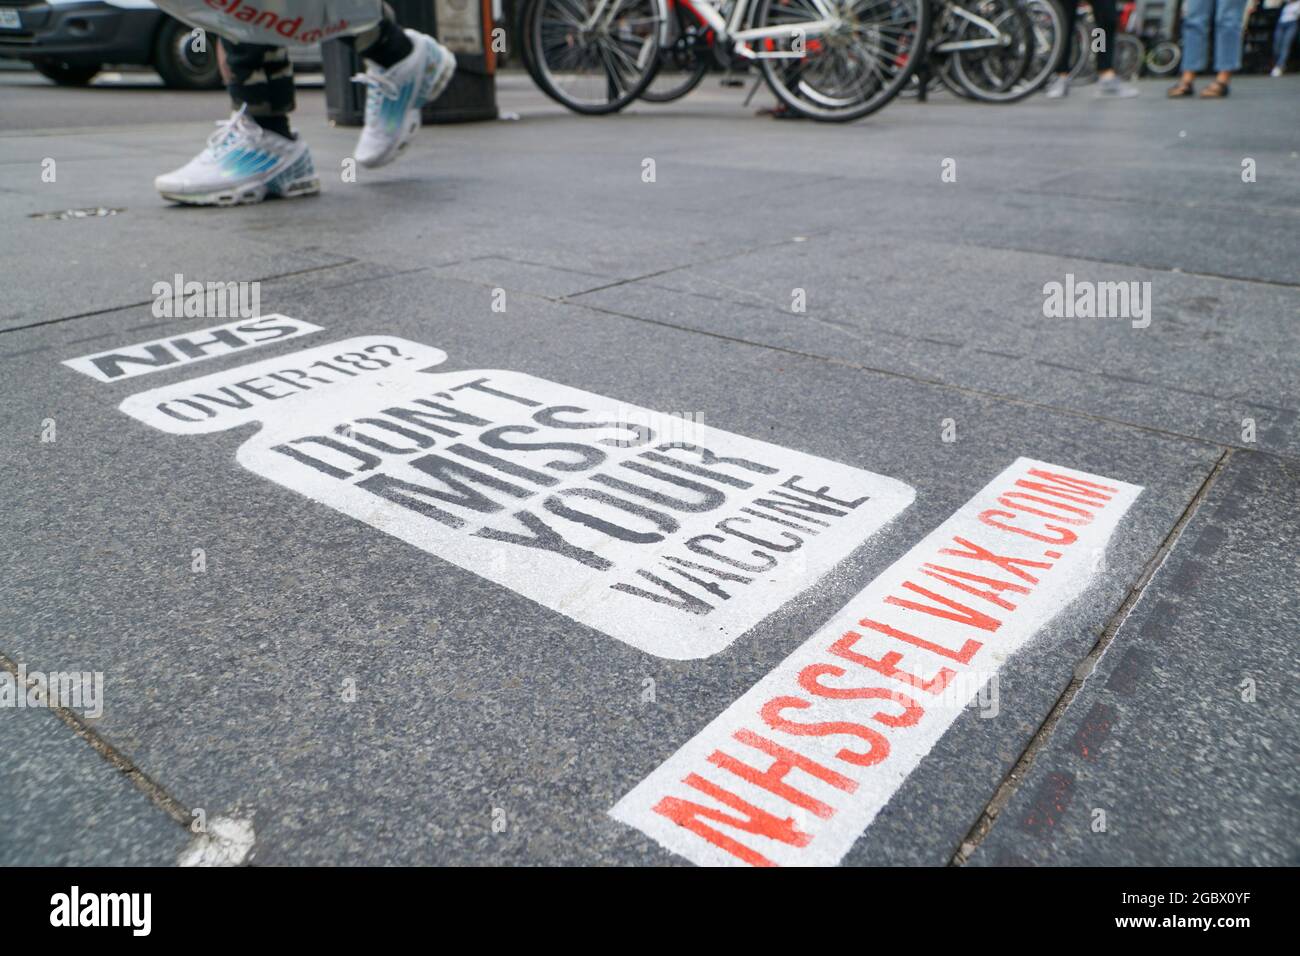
[291,677]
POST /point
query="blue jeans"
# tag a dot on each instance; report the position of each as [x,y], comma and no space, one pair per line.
[1283,37]
[1227,16]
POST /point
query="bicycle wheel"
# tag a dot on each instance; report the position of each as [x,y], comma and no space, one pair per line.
[845,72]
[949,82]
[523,30]
[684,58]
[1047,38]
[1163,57]
[1048,22]
[594,56]
[942,28]
[1130,51]
[991,73]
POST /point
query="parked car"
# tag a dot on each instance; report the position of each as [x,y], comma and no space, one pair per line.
[70,41]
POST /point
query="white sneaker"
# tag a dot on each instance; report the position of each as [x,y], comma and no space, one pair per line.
[242,163]
[1277,71]
[1059,87]
[1115,88]
[395,96]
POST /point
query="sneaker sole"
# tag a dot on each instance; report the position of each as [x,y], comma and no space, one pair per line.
[296,177]
[246,195]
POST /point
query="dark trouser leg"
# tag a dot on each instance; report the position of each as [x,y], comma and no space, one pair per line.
[1071,11]
[261,81]
[385,43]
[1107,18]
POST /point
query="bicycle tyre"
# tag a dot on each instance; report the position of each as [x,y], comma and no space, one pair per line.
[689,82]
[971,68]
[522,25]
[658,91]
[1047,33]
[1163,58]
[910,20]
[1130,52]
[944,73]
[618,92]
[1049,44]
[1083,64]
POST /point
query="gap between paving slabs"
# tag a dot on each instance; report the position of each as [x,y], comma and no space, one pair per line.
[225,841]
[1083,670]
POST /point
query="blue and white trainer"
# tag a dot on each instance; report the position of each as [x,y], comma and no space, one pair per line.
[395,96]
[242,163]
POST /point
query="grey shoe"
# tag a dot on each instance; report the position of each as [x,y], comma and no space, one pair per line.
[1059,87]
[1114,87]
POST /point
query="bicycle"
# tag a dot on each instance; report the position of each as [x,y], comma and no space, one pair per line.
[689,50]
[831,60]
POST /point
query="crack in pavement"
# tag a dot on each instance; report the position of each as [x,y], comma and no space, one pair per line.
[156,793]
[346,261]
[922,380]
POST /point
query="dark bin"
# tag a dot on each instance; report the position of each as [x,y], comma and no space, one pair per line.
[464,26]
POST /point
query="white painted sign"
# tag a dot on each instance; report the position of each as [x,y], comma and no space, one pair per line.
[176,350]
[795,770]
[655,529]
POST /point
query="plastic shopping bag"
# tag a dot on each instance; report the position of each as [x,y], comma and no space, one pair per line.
[277,22]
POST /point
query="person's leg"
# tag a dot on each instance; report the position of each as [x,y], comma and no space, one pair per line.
[1196,50]
[1060,84]
[1283,34]
[1071,10]
[261,82]
[1106,16]
[385,43]
[1229,17]
[1108,83]
[1288,40]
[407,70]
[255,154]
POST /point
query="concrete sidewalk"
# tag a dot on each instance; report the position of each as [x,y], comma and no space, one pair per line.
[818,288]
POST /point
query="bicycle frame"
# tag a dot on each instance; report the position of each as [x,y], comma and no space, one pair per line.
[994,38]
[731,29]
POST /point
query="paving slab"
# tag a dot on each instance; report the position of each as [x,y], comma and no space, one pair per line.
[1178,748]
[64,805]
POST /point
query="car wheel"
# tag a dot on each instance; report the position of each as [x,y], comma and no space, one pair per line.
[66,74]
[181,66]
